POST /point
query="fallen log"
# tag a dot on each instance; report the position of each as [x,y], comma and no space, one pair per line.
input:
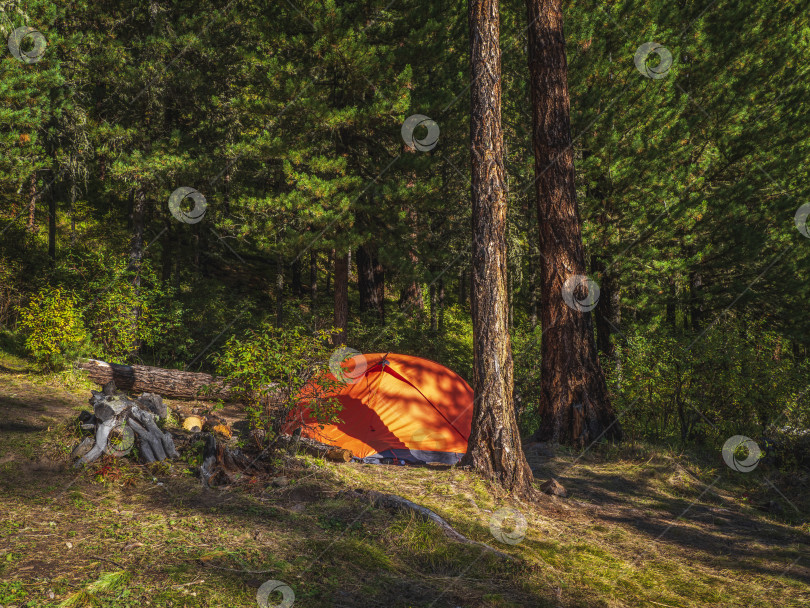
[397,503]
[166,382]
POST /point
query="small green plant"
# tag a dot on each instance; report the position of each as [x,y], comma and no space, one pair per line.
[52,323]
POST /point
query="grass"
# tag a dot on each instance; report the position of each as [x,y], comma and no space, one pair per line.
[638,529]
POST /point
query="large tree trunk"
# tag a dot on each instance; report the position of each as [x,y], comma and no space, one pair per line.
[341,297]
[494,447]
[370,281]
[574,404]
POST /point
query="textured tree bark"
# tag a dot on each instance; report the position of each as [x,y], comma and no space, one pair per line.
[32,207]
[341,297]
[494,448]
[165,382]
[574,404]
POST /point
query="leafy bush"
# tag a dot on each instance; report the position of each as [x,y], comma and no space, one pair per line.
[53,325]
[109,314]
[270,368]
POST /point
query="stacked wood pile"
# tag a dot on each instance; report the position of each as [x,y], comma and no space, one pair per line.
[119,423]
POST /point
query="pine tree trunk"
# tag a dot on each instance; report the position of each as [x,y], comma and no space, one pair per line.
[279,290]
[32,206]
[533,262]
[52,227]
[330,268]
[441,305]
[72,212]
[136,259]
[494,447]
[341,297]
[313,282]
[166,254]
[432,292]
[574,404]
[297,289]
[370,281]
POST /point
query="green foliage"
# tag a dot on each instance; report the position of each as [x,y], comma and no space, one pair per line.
[159,324]
[274,368]
[738,378]
[52,322]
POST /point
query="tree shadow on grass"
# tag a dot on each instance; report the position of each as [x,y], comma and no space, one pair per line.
[702,526]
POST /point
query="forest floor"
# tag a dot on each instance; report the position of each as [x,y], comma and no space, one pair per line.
[641,526]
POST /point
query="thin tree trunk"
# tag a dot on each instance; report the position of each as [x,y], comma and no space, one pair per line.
[330,268]
[533,262]
[296,286]
[432,292]
[72,212]
[32,206]
[136,260]
[370,281]
[166,254]
[574,403]
[279,290]
[313,282]
[441,305]
[341,297]
[494,447]
[52,227]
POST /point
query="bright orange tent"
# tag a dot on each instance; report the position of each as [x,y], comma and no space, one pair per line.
[397,408]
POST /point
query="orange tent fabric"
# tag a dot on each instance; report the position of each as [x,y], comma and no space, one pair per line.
[400,407]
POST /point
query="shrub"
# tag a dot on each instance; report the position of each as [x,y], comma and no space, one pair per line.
[270,368]
[53,326]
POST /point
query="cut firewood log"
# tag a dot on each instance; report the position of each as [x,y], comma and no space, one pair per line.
[102,434]
[166,382]
[161,443]
[113,410]
[222,465]
[339,455]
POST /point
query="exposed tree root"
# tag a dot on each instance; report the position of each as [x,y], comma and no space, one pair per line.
[394,502]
